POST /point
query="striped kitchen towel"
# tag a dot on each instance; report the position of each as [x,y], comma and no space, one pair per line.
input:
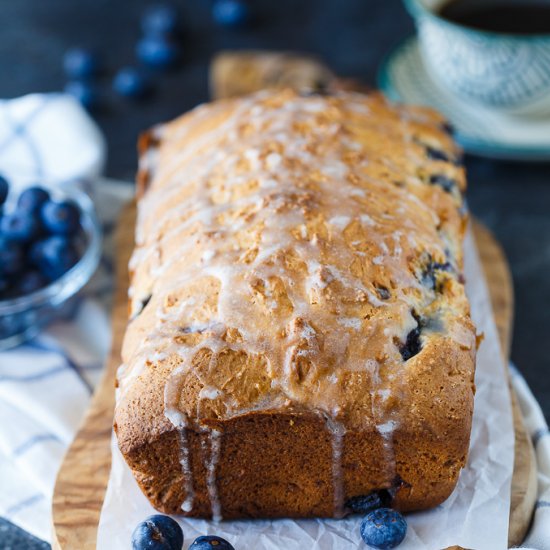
[45,384]
[539,534]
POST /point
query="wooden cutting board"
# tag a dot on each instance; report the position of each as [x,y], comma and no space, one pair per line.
[82,479]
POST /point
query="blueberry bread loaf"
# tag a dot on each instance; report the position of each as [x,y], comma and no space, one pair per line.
[299,333]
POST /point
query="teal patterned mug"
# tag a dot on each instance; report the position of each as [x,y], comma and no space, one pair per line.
[504,71]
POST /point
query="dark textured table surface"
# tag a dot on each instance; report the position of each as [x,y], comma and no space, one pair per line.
[513,199]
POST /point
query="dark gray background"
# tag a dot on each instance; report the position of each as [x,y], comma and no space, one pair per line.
[513,199]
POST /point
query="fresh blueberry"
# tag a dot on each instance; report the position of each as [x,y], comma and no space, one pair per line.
[211,542]
[30,281]
[20,226]
[383,292]
[160,20]
[35,252]
[12,257]
[158,52]
[230,13]
[4,188]
[413,344]
[383,528]
[130,82]
[157,532]
[32,199]
[429,274]
[54,256]
[84,92]
[437,154]
[80,63]
[60,218]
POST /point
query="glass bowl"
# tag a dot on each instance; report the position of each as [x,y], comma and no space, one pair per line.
[23,317]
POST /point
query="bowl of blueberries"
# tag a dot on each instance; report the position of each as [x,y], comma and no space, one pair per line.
[50,246]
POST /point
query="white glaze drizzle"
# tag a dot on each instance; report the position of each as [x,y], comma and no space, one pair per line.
[337,432]
[215,439]
[179,421]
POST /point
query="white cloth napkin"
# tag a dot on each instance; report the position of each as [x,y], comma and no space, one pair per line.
[45,385]
[48,138]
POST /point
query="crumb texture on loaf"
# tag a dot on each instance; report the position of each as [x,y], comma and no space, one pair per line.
[297,270]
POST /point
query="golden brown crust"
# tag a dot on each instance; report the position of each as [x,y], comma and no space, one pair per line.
[300,332]
[258,70]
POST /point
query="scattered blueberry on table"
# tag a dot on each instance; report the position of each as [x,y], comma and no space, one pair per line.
[158,52]
[383,528]
[39,241]
[161,532]
[80,63]
[230,13]
[81,67]
[130,82]
[211,542]
[84,92]
[157,532]
[160,20]
[159,46]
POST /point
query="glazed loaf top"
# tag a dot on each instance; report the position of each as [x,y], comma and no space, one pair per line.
[297,252]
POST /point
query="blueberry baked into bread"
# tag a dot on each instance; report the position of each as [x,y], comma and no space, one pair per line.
[299,333]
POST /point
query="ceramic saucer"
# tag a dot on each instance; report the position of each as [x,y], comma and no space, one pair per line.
[480,130]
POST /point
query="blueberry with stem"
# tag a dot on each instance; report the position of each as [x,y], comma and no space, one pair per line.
[130,82]
[158,52]
[160,20]
[157,532]
[80,63]
[230,13]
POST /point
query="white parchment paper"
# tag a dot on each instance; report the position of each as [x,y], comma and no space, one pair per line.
[475,516]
